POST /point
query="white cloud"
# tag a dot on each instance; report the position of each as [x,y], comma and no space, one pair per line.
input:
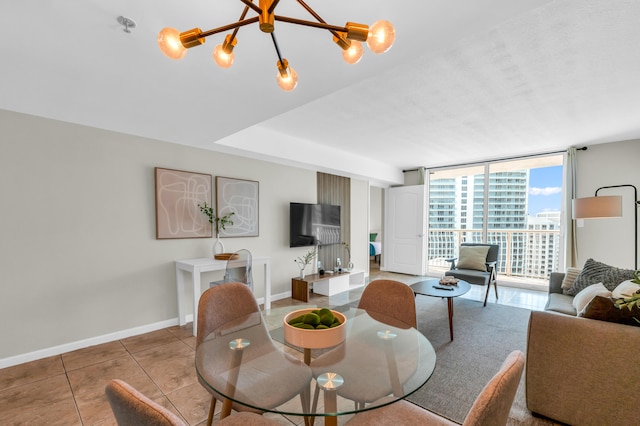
[549,190]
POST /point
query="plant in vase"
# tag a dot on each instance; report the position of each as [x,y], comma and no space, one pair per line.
[633,299]
[219,223]
[305,260]
[349,262]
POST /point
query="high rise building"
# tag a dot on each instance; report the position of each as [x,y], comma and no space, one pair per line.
[459,203]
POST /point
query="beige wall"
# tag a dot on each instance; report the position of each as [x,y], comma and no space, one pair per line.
[375,215]
[80,262]
[360,225]
[608,240]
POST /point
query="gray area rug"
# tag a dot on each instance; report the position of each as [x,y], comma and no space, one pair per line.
[483,337]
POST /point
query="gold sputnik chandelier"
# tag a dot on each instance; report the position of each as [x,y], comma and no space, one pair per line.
[379,37]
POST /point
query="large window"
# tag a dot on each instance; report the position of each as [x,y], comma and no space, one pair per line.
[515,204]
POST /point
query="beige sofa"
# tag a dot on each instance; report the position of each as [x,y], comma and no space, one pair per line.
[581,371]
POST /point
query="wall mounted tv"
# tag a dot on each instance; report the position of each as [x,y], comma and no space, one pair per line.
[313,224]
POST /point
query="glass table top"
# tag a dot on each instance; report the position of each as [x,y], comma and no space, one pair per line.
[379,362]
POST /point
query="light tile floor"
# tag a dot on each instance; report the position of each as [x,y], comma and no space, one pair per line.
[68,389]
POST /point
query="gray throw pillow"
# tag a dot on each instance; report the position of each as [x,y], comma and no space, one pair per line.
[597,272]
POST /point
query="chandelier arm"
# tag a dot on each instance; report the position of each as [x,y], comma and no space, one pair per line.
[242,16]
[318,17]
[273,6]
[311,11]
[275,44]
[229,27]
[321,25]
[253,6]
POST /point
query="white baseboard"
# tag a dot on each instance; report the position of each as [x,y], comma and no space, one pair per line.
[72,346]
[105,338]
[278,296]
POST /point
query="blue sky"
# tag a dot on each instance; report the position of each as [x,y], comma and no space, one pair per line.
[545,189]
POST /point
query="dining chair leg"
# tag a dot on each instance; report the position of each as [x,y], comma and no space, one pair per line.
[305,396]
[212,408]
[316,393]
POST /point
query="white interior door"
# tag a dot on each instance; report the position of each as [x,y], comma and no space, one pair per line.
[405,230]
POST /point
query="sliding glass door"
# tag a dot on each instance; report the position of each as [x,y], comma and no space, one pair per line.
[515,204]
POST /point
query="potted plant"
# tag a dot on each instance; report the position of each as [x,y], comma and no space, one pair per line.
[305,260]
[218,222]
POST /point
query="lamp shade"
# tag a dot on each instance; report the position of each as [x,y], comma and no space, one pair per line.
[597,207]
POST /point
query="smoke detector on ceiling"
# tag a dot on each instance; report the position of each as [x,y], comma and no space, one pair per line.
[127,23]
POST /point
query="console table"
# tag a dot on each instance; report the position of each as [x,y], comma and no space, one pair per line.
[207,264]
[327,284]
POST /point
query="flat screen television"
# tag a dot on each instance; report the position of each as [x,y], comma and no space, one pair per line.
[313,224]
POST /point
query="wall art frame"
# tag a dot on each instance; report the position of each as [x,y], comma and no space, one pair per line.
[242,197]
[178,194]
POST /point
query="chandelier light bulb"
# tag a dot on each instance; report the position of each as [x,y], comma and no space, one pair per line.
[381,36]
[222,58]
[170,44]
[354,53]
[289,82]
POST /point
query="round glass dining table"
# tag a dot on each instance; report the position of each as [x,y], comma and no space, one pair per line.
[380,361]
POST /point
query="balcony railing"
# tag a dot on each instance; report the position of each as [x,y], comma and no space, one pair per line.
[529,254]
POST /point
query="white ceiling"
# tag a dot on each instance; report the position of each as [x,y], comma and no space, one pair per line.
[466,80]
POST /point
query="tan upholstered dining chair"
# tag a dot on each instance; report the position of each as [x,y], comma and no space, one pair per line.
[222,304]
[392,299]
[390,302]
[130,407]
[491,407]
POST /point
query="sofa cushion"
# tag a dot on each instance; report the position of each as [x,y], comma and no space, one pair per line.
[597,272]
[561,303]
[569,278]
[603,309]
[625,289]
[584,297]
[473,257]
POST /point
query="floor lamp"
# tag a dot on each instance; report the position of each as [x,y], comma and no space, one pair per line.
[607,206]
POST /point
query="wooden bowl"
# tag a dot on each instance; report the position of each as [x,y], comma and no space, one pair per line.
[225,256]
[314,339]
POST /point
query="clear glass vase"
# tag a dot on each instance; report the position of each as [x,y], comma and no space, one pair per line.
[218,247]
